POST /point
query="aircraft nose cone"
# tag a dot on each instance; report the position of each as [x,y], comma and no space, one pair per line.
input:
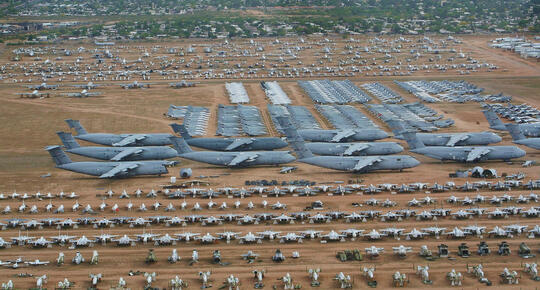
[520,152]
[496,138]
[414,162]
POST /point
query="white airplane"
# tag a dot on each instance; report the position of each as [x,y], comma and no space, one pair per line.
[226,235]
[165,240]
[516,229]
[81,242]
[402,251]
[312,234]
[319,218]
[333,236]
[279,205]
[138,222]
[269,234]
[373,252]
[62,239]
[247,219]
[283,219]
[498,232]
[456,233]
[415,234]
[103,238]
[474,230]
[37,262]
[40,243]
[374,235]
[497,213]
[461,214]
[211,220]
[187,236]
[355,217]
[290,237]
[146,237]
[250,238]
[395,232]
[206,239]
[352,233]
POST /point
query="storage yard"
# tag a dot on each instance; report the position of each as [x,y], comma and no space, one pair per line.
[344,85]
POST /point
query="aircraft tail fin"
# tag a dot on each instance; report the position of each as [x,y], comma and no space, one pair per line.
[493,120]
[396,126]
[515,132]
[59,157]
[295,140]
[68,140]
[75,124]
[180,145]
[181,129]
[413,140]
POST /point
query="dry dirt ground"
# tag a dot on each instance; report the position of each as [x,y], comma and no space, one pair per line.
[28,125]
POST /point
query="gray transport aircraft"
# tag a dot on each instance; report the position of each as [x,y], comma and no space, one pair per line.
[354,149]
[495,123]
[107,169]
[117,153]
[519,137]
[344,163]
[230,144]
[232,159]
[120,140]
[449,139]
[350,135]
[462,153]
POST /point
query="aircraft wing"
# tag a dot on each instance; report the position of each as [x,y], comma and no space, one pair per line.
[365,163]
[125,153]
[457,138]
[128,140]
[477,153]
[237,143]
[355,148]
[340,135]
[119,170]
[242,157]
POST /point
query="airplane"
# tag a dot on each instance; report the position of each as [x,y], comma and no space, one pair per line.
[34,95]
[340,136]
[269,234]
[227,235]
[211,220]
[175,221]
[374,235]
[461,214]
[395,232]
[311,234]
[139,222]
[352,233]
[516,228]
[247,220]
[402,251]
[230,144]
[109,169]
[135,85]
[463,153]
[498,232]
[438,188]
[37,262]
[82,94]
[207,239]
[531,213]
[354,149]
[103,238]
[250,238]
[519,138]
[344,163]
[120,140]
[42,86]
[187,236]
[125,240]
[497,213]
[414,234]
[4,244]
[535,231]
[333,236]
[290,237]
[436,231]
[231,159]
[528,129]
[165,240]
[455,233]
[62,239]
[40,243]
[81,242]
[21,239]
[355,217]
[448,139]
[373,252]
[88,86]
[319,218]
[474,230]
[391,216]
[283,219]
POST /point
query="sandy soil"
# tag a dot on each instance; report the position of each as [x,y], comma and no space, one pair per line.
[28,125]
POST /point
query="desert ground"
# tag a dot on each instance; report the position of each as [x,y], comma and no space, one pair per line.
[28,125]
